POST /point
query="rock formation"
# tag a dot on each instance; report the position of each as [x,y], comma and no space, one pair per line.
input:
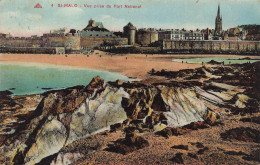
[64,116]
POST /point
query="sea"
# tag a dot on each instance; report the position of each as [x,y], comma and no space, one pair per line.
[34,78]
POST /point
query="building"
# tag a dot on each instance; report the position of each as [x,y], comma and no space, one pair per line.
[2,35]
[93,36]
[176,35]
[146,37]
[129,32]
[208,34]
[252,31]
[194,35]
[96,29]
[218,23]
[171,34]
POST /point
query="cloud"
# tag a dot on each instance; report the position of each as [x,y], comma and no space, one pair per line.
[11,14]
[69,11]
[34,17]
[111,22]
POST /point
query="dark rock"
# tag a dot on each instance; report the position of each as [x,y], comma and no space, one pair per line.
[196,125]
[213,62]
[116,127]
[195,156]
[252,119]
[235,153]
[198,145]
[203,150]
[254,156]
[158,104]
[246,58]
[242,134]
[178,158]
[184,147]
[131,143]
[167,132]
[5,93]
[46,88]
[130,136]
[95,83]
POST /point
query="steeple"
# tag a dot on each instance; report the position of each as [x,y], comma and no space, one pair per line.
[218,23]
[218,15]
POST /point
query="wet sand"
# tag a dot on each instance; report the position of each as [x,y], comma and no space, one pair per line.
[132,65]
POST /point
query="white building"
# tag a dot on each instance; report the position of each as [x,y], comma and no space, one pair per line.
[176,35]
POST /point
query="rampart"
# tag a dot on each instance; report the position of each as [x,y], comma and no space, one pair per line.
[69,43]
[92,42]
[221,47]
[30,50]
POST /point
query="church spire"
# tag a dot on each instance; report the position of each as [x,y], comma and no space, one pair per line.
[218,15]
[218,23]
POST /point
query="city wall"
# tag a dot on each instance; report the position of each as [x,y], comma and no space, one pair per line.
[145,38]
[70,43]
[29,50]
[225,47]
[21,42]
[92,42]
[138,50]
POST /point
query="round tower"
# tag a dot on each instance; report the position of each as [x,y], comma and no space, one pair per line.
[91,22]
[129,32]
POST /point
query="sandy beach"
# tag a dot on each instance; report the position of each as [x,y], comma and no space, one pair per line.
[132,65]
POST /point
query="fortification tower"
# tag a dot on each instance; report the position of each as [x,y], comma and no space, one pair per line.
[218,23]
[129,32]
[91,22]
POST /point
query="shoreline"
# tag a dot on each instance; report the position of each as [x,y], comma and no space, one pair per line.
[130,65]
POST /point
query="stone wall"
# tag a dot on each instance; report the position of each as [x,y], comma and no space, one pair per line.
[248,47]
[30,50]
[70,43]
[145,38]
[92,42]
[21,42]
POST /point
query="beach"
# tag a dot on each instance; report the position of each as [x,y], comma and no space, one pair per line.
[131,65]
[199,115]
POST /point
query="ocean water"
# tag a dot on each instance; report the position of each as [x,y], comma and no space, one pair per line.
[24,79]
[227,60]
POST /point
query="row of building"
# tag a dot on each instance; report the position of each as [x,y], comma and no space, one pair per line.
[96,35]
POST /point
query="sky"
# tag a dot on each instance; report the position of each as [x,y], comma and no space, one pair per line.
[20,18]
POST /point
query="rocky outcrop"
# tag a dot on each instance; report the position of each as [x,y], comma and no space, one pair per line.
[65,116]
[242,134]
[49,140]
[97,113]
[130,143]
